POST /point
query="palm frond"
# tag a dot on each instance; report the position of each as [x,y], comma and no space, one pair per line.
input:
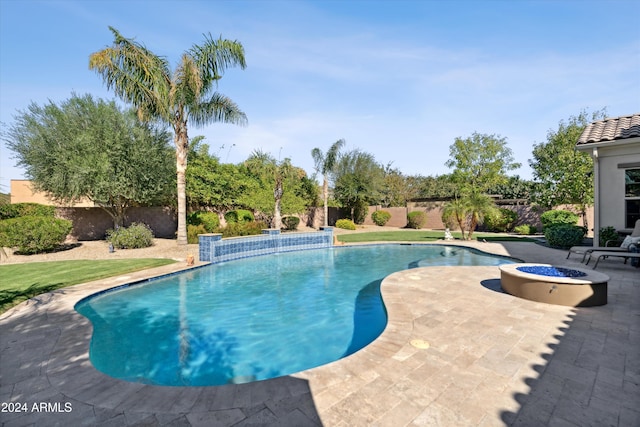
[215,56]
[218,108]
[135,74]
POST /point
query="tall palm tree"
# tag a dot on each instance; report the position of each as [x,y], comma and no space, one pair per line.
[175,97]
[325,164]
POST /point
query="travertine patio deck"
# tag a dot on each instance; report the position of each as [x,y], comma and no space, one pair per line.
[492,360]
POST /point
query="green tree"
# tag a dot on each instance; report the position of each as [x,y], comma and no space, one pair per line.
[211,184]
[397,188]
[281,187]
[184,95]
[325,163]
[480,162]
[561,173]
[440,186]
[359,180]
[91,149]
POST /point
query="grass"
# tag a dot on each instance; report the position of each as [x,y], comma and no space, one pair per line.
[19,282]
[422,236]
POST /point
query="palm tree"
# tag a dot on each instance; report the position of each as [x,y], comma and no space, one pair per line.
[325,164]
[175,97]
[479,205]
[272,172]
[456,211]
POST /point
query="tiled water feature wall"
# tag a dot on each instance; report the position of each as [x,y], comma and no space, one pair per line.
[213,249]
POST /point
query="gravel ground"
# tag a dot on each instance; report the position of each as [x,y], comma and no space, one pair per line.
[162,248]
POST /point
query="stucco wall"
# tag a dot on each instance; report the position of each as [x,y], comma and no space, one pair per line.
[611,183]
[93,223]
[23,192]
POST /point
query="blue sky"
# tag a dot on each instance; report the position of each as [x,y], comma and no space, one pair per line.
[398,79]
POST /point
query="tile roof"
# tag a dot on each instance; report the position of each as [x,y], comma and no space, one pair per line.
[613,129]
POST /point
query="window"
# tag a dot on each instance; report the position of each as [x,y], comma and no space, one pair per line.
[632,196]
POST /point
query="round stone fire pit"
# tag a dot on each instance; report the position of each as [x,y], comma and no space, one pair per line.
[574,287]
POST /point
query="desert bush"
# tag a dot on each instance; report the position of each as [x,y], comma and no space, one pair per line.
[564,235]
[137,235]
[360,211]
[609,233]
[239,215]
[209,220]
[290,222]
[246,228]
[558,217]
[380,217]
[501,220]
[17,210]
[345,224]
[416,219]
[526,229]
[193,231]
[34,234]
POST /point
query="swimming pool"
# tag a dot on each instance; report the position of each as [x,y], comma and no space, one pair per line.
[254,318]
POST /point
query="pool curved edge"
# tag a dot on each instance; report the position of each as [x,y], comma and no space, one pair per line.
[67,368]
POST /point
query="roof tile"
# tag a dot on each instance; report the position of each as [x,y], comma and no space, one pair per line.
[611,129]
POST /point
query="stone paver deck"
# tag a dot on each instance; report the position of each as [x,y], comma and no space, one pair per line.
[490,360]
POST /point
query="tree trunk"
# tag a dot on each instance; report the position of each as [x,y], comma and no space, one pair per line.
[325,196]
[277,194]
[182,149]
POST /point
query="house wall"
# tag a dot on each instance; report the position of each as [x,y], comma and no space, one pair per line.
[611,204]
[23,192]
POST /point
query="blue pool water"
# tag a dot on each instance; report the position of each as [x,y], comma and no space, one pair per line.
[254,318]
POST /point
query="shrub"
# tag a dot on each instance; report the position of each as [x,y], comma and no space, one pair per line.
[608,233]
[209,220]
[234,229]
[526,229]
[137,235]
[17,210]
[345,224]
[501,220]
[380,217]
[416,219]
[239,215]
[360,211]
[34,234]
[193,231]
[558,217]
[564,235]
[290,222]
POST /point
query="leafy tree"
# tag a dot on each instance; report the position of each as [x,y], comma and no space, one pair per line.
[279,186]
[209,183]
[325,163]
[561,173]
[480,162]
[441,186]
[91,149]
[186,94]
[397,188]
[514,188]
[359,180]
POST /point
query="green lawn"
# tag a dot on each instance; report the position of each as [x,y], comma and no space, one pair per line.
[422,236]
[19,282]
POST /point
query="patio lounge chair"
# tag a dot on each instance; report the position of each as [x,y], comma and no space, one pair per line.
[598,255]
[588,250]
